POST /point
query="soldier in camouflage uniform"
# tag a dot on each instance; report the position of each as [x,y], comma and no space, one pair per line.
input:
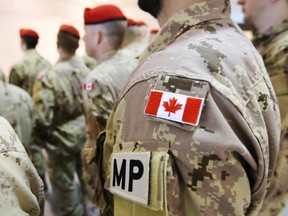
[133,41]
[23,74]
[58,101]
[17,107]
[271,40]
[21,188]
[196,129]
[114,67]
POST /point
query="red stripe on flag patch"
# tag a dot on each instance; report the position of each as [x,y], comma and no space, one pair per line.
[192,110]
[88,86]
[153,103]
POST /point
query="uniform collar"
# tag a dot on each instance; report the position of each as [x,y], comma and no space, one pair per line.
[30,51]
[107,55]
[187,19]
[271,33]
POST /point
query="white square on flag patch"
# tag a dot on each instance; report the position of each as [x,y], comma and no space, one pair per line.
[174,107]
[88,86]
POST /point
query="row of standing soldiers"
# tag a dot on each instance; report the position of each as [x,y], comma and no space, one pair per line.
[217,160]
[54,120]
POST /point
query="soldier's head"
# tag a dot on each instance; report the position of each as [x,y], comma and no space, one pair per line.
[105,27]
[264,13]
[29,38]
[153,7]
[67,39]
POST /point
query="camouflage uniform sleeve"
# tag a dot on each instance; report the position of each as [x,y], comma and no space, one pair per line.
[26,112]
[276,62]
[44,100]
[212,166]
[97,105]
[92,126]
[15,75]
[22,189]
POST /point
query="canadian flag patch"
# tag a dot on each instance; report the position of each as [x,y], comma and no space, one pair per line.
[174,107]
[88,86]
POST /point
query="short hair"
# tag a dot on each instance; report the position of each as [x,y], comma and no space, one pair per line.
[67,42]
[115,31]
[31,42]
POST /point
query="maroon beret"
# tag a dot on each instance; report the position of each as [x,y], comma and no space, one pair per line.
[28,33]
[141,23]
[154,31]
[102,14]
[131,22]
[68,29]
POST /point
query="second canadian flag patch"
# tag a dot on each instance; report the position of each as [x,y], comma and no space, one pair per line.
[174,107]
[88,86]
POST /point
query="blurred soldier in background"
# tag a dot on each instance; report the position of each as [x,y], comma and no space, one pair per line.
[23,74]
[197,127]
[58,100]
[105,28]
[21,188]
[270,19]
[17,106]
[133,41]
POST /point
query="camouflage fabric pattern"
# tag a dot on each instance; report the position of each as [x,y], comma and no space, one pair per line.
[109,77]
[273,46]
[21,188]
[224,165]
[24,73]
[89,61]
[58,101]
[17,107]
[135,49]
[2,75]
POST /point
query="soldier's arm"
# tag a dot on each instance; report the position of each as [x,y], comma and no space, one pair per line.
[97,105]
[15,75]
[218,167]
[43,98]
[22,189]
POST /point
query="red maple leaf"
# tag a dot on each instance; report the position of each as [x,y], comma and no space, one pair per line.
[172,106]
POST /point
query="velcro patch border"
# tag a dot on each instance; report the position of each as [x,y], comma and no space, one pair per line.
[130,176]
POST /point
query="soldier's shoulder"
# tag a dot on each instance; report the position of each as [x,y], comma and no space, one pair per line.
[19,94]
[8,138]
[18,66]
